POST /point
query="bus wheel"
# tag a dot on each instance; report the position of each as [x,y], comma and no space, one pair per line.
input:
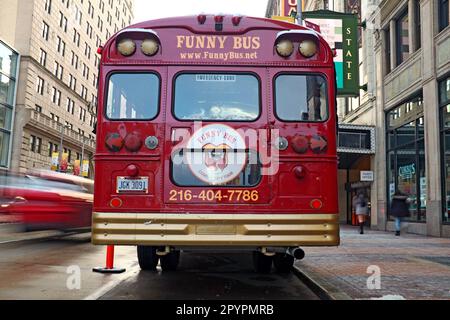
[148,260]
[283,262]
[261,262]
[170,261]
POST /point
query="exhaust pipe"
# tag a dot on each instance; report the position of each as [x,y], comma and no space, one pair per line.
[297,253]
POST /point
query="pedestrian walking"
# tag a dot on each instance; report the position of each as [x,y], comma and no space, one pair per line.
[361,205]
[399,209]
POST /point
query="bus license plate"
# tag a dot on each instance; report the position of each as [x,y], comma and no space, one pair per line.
[132,185]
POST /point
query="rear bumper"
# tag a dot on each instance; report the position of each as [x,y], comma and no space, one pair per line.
[159,229]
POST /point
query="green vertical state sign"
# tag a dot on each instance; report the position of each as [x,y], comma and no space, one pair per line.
[340,30]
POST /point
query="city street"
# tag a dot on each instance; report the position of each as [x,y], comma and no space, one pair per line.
[39,270]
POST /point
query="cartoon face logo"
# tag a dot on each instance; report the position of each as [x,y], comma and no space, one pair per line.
[217,154]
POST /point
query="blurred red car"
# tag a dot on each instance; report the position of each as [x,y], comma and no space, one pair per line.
[46,200]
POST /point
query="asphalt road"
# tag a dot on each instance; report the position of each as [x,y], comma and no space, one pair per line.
[62,269]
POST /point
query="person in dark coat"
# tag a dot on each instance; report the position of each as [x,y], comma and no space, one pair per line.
[399,209]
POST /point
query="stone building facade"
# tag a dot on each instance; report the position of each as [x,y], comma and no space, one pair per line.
[57,88]
[405,74]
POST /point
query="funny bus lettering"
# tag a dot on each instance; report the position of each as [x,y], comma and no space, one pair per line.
[239,47]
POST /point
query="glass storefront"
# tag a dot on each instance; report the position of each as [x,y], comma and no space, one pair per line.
[8,76]
[444,103]
[406,156]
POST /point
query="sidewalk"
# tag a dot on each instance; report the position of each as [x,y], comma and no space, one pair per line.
[411,266]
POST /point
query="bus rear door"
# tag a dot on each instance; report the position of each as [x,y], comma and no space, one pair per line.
[218,138]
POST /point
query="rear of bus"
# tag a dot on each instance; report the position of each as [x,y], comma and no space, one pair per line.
[216,132]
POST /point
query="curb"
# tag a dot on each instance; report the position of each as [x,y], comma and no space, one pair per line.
[39,237]
[321,288]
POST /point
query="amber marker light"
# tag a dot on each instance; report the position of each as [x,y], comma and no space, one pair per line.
[126,47]
[149,47]
[285,48]
[308,48]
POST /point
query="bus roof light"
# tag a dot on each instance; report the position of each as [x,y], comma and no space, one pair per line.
[126,47]
[100,50]
[285,48]
[149,47]
[201,18]
[236,20]
[307,48]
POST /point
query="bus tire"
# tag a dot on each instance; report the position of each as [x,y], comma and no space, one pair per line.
[283,262]
[261,262]
[170,261]
[148,260]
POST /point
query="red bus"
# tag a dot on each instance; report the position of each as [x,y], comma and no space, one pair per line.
[216,132]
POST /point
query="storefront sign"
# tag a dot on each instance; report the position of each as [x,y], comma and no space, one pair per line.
[289,7]
[367,176]
[340,30]
[407,172]
[85,168]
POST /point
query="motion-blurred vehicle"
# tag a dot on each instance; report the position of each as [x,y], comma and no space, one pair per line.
[46,200]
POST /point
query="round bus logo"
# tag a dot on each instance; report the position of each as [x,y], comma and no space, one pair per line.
[216,154]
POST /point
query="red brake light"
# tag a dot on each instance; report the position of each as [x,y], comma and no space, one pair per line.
[316,204]
[114,142]
[116,203]
[133,142]
[300,144]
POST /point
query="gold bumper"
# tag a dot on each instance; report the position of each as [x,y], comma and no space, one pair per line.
[159,229]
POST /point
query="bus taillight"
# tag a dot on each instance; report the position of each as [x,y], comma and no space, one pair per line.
[114,142]
[316,204]
[133,142]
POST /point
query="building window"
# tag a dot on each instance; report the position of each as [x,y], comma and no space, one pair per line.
[40,86]
[406,156]
[443,14]
[43,58]
[402,41]
[35,144]
[48,6]
[45,29]
[418,25]
[444,102]
[387,34]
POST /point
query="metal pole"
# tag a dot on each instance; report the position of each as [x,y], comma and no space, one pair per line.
[60,148]
[82,156]
[299,12]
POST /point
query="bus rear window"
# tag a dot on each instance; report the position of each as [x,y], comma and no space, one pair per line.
[301,98]
[133,96]
[225,97]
